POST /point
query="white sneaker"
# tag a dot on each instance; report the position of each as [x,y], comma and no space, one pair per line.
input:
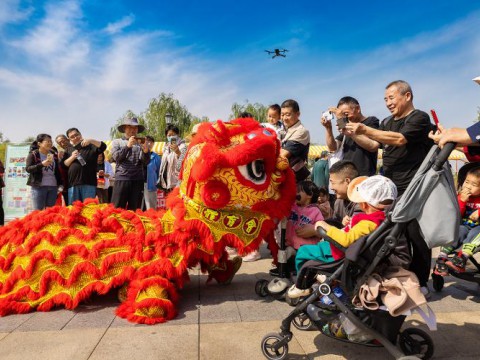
[253,256]
[295,292]
[232,252]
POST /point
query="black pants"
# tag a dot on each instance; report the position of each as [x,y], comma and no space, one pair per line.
[421,254]
[128,194]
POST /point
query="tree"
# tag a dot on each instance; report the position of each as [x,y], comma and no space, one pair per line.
[155,116]
[478,114]
[259,111]
[29,139]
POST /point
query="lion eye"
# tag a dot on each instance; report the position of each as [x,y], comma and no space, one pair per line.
[254,171]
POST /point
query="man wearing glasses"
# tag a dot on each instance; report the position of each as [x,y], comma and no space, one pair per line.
[81,161]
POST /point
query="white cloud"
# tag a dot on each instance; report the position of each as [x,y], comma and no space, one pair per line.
[69,81]
[11,13]
[118,26]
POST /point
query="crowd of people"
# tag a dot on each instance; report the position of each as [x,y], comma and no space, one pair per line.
[77,169]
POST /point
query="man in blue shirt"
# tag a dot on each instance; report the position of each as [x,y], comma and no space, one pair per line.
[151,179]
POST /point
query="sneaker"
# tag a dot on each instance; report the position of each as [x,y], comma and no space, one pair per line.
[253,256]
[457,263]
[295,292]
[274,271]
[441,267]
[232,252]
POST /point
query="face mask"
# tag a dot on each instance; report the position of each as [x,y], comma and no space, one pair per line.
[170,138]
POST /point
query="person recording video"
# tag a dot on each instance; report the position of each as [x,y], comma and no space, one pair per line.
[131,155]
[173,155]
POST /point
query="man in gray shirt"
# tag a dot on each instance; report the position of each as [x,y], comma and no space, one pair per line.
[131,154]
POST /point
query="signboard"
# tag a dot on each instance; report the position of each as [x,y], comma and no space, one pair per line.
[16,194]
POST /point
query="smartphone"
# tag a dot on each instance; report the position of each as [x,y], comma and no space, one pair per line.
[140,140]
[49,156]
[342,122]
[173,141]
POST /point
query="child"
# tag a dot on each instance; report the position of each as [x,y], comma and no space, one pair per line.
[274,122]
[323,203]
[468,236]
[373,194]
[304,212]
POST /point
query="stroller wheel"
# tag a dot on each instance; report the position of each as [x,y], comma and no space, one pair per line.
[303,322]
[414,341]
[290,301]
[437,281]
[261,288]
[269,347]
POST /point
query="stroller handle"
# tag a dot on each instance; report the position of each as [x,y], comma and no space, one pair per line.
[443,155]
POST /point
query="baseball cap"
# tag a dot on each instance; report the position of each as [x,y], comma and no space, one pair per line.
[377,191]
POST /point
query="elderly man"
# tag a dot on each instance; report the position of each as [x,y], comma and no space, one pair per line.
[131,155]
[81,160]
[405,142]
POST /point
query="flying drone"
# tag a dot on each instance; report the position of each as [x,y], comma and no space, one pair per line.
[277,52]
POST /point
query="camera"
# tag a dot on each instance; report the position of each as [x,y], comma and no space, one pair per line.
[328,115]
[140,140]
[342,122]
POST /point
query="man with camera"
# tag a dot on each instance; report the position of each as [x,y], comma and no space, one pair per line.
[356,148]
[81,161]
[131,155]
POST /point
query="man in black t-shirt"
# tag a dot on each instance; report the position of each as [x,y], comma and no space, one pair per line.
[405,142]
[81,161]
[356,148]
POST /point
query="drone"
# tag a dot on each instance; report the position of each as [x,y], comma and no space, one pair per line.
[277,52]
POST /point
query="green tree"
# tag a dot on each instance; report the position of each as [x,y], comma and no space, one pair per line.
[259,111]
[29,139]
[155,116]
[478,114]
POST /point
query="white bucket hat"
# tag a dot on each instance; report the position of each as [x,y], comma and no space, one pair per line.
[377,191]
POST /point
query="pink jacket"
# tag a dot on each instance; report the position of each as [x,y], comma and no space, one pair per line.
[299,217]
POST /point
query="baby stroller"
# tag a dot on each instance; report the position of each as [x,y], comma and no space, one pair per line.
[438,280]
[431,186]
[277,288]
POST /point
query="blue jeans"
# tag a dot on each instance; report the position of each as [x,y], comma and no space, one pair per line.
[43,196]
[81,192]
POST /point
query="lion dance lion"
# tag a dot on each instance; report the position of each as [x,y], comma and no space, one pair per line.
[235,187]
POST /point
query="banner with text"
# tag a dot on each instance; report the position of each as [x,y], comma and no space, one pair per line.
[16,194]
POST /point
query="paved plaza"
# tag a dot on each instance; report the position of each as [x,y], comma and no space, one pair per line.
[219,322]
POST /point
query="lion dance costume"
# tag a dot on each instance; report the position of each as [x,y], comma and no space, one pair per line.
[235,187]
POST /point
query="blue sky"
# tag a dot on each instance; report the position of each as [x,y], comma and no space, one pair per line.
[84,63]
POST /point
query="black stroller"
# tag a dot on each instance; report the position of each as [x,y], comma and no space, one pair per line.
[431,186]
[438,280]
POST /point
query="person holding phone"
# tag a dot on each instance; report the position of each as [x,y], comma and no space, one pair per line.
[173,155]
[44,175]
[356,148]
[131,157]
